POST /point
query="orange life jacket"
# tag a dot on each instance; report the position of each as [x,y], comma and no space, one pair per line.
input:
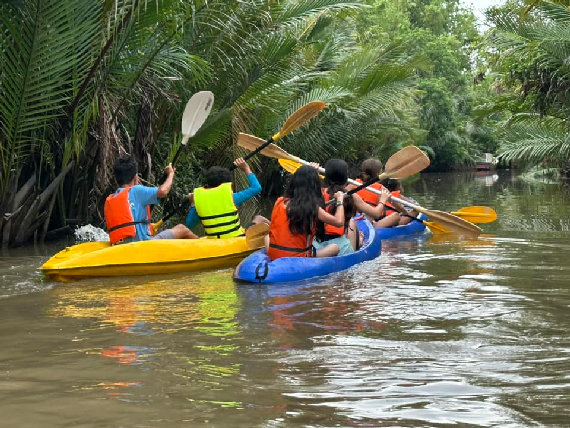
[390,209]
[119,218]
[283,243]
[331,230]
[367,196]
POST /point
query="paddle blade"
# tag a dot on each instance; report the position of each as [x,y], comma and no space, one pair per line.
[453,223]
[299,118]
[256,234]
[195,113]
[251,143]
[156,226]
[408,161]
[289,166]
[292,166]
[436,228]
[477,214]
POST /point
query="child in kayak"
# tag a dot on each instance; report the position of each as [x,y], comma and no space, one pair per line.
[346,237]
[127,211]
[297,215]
[215,204]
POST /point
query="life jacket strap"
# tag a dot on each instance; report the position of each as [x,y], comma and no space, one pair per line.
[292,250]
[209,217]
[228,223]
[225,232]
[130,223]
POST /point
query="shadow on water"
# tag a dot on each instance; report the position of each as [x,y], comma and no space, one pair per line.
[434,332]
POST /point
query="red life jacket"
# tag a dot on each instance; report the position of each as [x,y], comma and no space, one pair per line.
[119,218]
[367,196]
[330,230]
[283,243]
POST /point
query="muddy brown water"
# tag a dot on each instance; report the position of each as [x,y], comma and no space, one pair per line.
[432,333]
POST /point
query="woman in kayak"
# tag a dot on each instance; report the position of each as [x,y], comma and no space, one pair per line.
[298,214]
[346,237]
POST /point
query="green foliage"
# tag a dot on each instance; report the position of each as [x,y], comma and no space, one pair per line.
[531,45]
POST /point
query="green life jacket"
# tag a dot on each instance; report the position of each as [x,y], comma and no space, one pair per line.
[217,211]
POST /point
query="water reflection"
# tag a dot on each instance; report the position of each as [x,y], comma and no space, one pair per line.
[437,331]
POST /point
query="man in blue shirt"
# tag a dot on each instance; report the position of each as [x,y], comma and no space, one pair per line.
[127,211]
[216,208]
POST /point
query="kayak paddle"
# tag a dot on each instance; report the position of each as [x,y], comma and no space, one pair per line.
[255,235]
[448,221]
[474,214]
[297,119]
[195,113]
[477,214]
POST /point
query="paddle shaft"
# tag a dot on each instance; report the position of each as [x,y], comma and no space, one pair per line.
[256,151]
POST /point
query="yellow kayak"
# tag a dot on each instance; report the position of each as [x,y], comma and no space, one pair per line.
[95,259]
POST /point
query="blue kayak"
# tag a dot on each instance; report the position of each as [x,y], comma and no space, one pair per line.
[412,228]
[258,268]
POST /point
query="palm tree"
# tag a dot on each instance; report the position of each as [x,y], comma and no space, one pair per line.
[534,52]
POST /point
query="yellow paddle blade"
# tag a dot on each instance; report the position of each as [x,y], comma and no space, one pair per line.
[156,226]
[256,234]
[289,165]
[477,214]
[292,166]
[453,223]
[436,228]
[408,161]
[251,143]
[299,118]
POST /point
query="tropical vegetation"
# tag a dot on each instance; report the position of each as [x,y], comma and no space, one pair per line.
[83,82]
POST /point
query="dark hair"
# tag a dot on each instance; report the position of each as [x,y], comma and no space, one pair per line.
[391,184]
[336,175]
[217,175]
[305,198]
[125,168]
[370,168]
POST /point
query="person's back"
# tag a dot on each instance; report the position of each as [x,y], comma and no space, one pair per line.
[295,215]
[370,168]
[215,204]
[127,210]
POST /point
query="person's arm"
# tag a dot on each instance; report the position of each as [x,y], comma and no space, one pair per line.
[192,218]
[375,212]
[338,218]
[164,188]
[246,194]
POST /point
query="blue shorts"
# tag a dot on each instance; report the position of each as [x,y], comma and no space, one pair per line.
[344,245]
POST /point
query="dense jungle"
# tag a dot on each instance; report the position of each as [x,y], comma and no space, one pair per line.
[82,82]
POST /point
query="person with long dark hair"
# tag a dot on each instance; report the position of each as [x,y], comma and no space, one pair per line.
[298,214]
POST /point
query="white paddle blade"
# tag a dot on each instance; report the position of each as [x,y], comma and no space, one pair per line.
[195,113]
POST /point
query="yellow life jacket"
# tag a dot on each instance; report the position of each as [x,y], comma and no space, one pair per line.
[217,211]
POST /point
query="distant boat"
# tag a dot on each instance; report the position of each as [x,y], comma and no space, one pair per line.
[486,162]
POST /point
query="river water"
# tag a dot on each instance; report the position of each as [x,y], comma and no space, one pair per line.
[432,333]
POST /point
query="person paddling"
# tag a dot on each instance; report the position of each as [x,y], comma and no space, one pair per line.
[395,213]
[347,237]
[297,215]
[127,210]
[215,205]
[370,168]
